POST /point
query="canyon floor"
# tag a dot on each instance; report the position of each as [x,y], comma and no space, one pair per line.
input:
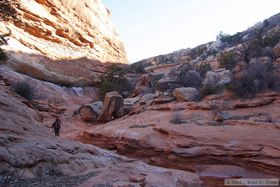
[245,144]
[180,123]
[238,140]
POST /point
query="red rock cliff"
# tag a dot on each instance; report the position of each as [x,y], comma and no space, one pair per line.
[51,35]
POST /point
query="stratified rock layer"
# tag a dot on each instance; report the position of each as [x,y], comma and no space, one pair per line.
[242,142]
[29,150]
[62,41]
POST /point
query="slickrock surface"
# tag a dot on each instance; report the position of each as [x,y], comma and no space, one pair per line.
[60,48]
[62,41]
[240,140]
[48,98]
[30,150]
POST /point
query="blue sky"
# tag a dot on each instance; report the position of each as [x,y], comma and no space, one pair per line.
[153,27]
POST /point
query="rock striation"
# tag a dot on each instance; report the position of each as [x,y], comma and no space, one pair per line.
[31,156]
[218,142]
[61,41]
[113,107]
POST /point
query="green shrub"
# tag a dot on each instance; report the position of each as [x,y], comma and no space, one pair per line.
[256,78]
[227,60]
[24,89]
[271,39]
[7,9]
[137,68]
[114,80]
[208,89]
[254,46]
[198,51]
[224,37]
[231,40]
[188,77]
[154,81]
[204,68]
[266,23]
[3,55]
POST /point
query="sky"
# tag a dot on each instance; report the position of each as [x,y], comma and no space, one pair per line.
[153,27]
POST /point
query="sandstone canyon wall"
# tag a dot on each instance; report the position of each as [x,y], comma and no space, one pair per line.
[61,41]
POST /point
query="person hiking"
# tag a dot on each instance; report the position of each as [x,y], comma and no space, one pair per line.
[56,126]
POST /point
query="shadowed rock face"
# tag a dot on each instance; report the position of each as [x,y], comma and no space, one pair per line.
[50,34]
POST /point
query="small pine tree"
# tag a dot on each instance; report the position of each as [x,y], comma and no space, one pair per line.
[114,80]
[24,89]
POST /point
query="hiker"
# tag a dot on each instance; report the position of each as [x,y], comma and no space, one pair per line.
[56,126]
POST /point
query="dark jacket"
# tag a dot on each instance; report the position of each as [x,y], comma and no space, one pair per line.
[56,124]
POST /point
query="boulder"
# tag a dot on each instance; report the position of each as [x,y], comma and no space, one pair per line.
[96,107]
[87,114]
[167,84]
[90,112]
[220,78]
[143,86]
[276,50]
[146,98]
[113,107]
[216,46]
[129,103]
[192,78]
[186,94]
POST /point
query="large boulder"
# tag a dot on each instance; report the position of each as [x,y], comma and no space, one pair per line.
[193,79]
[186,94]
[276,50]
[183,75]
[167,84]
[113,107]
[90,112]
[220,77]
